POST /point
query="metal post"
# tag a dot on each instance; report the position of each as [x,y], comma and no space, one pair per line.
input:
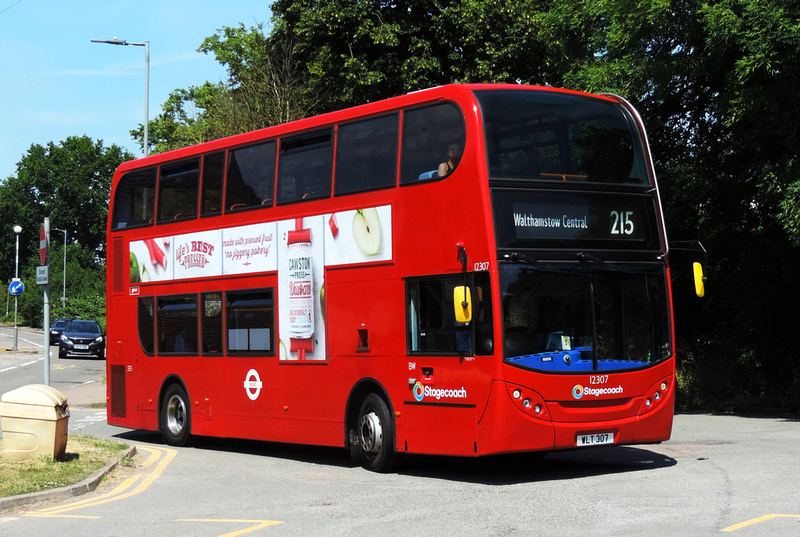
[146,96]
[17,231]
[46,305]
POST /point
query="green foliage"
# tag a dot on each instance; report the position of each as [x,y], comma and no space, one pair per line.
[84,455]
[356,51]
[264,88]
[713,80]
[68,182]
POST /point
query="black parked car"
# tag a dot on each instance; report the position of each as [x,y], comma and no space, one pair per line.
[56,327]
[82,338]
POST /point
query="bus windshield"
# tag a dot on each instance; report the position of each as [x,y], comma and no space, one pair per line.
[559,137]
[578,318]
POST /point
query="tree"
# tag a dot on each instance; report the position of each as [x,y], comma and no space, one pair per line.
[357,51]
[708,78]
[68,182]
[264,88]
[711,78]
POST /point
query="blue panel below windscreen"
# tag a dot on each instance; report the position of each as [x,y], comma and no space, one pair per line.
[575,360]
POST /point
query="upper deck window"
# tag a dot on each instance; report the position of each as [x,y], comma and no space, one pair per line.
[537,135]
[213,176]
[305,167]
[251,176]
[135,199]
[430,136]
[366,155]
[177,191]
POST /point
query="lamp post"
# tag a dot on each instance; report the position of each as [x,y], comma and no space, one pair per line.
[146,46]
[64,296]
[17,231]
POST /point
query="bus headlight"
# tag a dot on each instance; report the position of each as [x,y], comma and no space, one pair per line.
[656,395]
[529,402]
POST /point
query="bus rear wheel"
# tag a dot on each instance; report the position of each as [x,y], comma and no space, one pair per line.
[176,418]
[376,435]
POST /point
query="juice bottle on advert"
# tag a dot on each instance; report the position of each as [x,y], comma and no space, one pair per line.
[301,290]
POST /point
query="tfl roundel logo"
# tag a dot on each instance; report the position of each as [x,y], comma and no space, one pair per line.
[419,391]
[577,391]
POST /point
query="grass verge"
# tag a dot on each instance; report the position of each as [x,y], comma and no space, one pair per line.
[84,455]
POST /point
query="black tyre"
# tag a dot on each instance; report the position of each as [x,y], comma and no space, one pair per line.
[376,435]
[176,418]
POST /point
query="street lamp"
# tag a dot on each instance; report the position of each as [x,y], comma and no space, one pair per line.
[146,46]
[17,231]
[64,296]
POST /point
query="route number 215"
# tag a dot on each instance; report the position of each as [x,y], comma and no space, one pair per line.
[622,223]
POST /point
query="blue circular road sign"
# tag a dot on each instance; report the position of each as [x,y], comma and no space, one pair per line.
[16,288]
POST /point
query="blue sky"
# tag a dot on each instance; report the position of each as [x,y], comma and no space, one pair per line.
[56,83]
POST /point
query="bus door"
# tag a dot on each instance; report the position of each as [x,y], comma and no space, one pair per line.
[449,341]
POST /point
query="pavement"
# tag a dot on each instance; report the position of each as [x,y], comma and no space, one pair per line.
[88,395]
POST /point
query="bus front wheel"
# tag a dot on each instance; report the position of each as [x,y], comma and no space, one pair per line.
[376,435]
[175,416]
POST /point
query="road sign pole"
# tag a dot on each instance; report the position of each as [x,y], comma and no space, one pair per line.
[17,230]
[44,254]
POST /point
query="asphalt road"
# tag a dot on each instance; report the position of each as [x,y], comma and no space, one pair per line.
[27,366]
[718,474]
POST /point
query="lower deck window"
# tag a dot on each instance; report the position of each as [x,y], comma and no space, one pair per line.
[250,323]
[177,324]
[147,324]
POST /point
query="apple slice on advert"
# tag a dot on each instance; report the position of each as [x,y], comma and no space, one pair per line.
[367,230]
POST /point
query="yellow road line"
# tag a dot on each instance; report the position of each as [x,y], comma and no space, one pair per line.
[119,492]
[120,488]
[154,456]
[259,524]
[756,521]
[36,515]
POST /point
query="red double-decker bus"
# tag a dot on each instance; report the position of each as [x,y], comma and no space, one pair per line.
[465,270]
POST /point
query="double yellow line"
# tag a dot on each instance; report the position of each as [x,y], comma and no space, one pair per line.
[121,492]
[129,487]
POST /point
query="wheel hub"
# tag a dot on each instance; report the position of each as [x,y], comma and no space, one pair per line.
[176,415]
[371,433]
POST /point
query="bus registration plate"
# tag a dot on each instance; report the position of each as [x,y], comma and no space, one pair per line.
[595,439]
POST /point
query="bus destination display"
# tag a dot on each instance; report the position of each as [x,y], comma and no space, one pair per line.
[591,220]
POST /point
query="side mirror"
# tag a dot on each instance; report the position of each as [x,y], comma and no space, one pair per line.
[699,280]
[462,303]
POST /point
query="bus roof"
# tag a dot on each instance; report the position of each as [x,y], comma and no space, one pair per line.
[449,91]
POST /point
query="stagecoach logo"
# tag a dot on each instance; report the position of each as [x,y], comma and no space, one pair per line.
[252,384]
[579,391]
[421,392]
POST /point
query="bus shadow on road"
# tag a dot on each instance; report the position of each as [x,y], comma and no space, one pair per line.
[490,470]
[536,467]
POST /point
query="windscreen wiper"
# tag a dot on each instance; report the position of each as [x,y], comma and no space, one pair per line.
[516,257]
[586,259]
